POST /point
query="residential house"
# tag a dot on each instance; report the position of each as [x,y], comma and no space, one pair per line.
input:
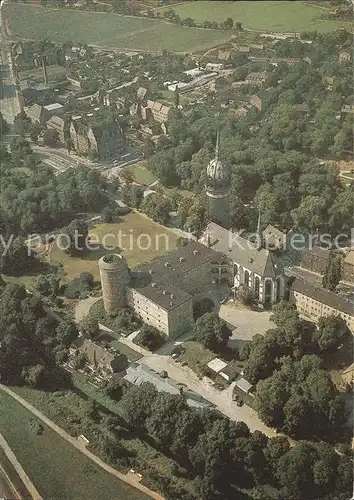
[302,109]
[157,110]
[150,130]
[224,55]
[256,46]
[243,50]
[291,60]
[57,123]
[36,92]
[257,102]
[242,111]
[135,109]
[344,56]
[99,359]
[256,78]
[214,66]
[37,114]
[78,135]
[55,109]
[347,108]
[141,93]
[260,99]
[74,81]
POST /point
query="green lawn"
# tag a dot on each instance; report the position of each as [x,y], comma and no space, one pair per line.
[107,30]
[58,470]
[278,16]
[141,173]
[134,231]
[183,192]
[196,356]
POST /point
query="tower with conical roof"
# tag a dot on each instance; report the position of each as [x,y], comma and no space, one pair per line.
[218,190]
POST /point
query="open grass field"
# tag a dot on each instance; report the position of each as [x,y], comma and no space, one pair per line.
[278,16]
[58,470]
[141,174]
[107,30]
[134,231]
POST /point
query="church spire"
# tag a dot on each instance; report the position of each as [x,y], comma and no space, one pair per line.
[217,148]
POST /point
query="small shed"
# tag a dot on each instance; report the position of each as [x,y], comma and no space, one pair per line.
[216,365]
[243,391]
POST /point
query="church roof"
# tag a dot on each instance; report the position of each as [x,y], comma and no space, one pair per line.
[242,251]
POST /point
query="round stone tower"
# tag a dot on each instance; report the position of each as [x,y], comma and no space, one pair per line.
[218,191]
[115,275]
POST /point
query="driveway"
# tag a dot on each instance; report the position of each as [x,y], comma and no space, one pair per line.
[162,361]
[82,308]
[221,399]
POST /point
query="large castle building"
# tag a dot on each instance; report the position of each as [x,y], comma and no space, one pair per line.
[162,292]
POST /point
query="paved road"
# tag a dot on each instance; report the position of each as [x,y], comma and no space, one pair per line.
[7,489]
[19,469]
[132,481]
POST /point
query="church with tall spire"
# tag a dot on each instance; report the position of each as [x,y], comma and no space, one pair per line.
[247,262]
[218,189]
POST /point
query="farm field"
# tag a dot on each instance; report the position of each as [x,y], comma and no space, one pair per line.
[56,468]
[278,16]
[130,227]
[107,30]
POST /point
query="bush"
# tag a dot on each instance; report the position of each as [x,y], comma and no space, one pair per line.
[36,427]
[107,215]
[79,287]
[90,327]
[150,338]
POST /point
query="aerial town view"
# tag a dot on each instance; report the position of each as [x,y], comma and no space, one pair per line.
[176,250]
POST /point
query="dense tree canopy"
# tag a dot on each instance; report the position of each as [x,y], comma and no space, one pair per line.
[211,331]
[38,200]
[32,343]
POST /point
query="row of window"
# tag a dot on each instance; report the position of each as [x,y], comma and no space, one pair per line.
[319,308]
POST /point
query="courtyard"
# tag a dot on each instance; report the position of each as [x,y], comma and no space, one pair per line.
[244,323]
